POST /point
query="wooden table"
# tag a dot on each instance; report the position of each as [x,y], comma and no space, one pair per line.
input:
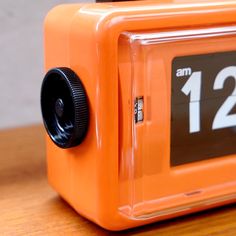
[30,207]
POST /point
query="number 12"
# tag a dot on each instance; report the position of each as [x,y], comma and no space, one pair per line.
[193,88]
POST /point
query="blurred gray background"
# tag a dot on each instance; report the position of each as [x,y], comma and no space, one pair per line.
[21,59]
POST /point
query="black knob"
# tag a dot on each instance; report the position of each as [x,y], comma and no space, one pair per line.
[64,107]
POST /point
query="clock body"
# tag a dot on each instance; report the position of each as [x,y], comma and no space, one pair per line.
[156,102]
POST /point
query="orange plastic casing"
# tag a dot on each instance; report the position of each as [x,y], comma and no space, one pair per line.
[107,178]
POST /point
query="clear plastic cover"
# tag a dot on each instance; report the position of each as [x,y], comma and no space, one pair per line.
[177,120]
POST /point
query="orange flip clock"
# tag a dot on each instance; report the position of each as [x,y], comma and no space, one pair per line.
[139,103]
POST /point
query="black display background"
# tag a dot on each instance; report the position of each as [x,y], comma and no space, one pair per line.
[191,147]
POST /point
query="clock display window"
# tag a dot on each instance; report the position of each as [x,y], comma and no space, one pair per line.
[203,107]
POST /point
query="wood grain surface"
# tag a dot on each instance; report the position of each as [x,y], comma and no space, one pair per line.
[28,206]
